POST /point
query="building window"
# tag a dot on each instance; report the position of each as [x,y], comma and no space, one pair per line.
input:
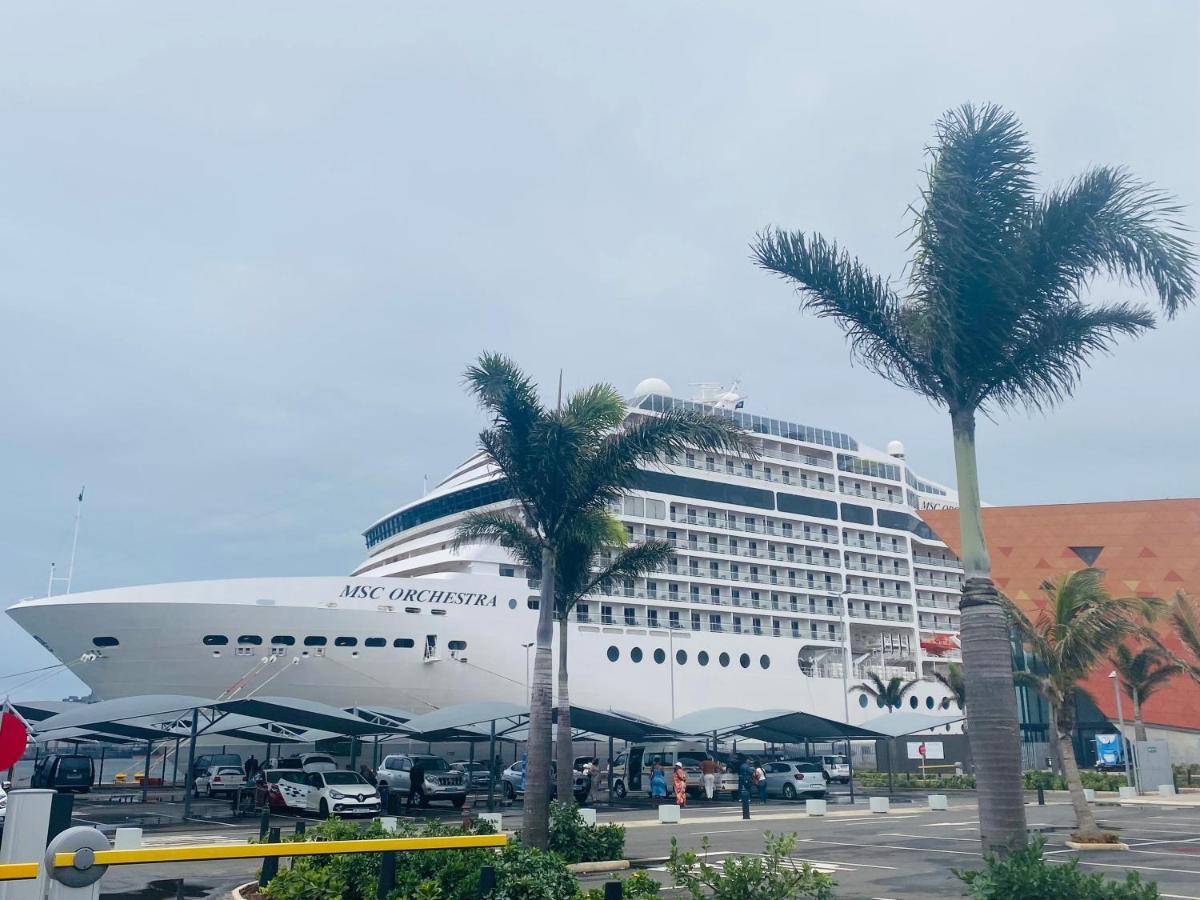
[284,640]
[660,656]
[532,603]
[681,657]
[215,640]
[613,654]
[862,700]
[250,639]
[403,643]
[636,654]
[107,642]
[652,618]
[702,657]
[723,659]
[508,571]
[345,642]
[630,615]
[315,640]
[581,612]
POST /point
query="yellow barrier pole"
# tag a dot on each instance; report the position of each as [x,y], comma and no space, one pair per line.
[18,871]
[144,855]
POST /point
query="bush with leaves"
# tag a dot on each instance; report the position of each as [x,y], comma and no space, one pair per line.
[526,873]
[1099,781]
[637,886]
[772,876]
[1025,875]
[575,841]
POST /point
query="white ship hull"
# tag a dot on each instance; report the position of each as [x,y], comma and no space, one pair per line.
[169,641]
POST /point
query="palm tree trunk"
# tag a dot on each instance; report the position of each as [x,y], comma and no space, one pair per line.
[993,732]
[1139,727]
[1064,725]
[535,817]
[565,749]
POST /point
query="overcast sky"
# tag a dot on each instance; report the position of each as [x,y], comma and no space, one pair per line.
[246,249]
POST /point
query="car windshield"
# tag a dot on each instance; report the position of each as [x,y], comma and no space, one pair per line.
[432,763]
[74,764]
[344,778]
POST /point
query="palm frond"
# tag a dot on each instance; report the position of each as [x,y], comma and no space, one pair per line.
[632,562]
[505,391]
[504,529]
[1108,222]
[598,409]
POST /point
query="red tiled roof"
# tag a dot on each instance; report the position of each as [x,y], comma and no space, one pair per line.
[1148,548]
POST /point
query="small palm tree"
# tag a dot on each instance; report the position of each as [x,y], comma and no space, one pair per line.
[992,318]
[890,693]
[598,554]
[1186,621]
[953,681]
[1078,627]
[1142,674]
[563,465]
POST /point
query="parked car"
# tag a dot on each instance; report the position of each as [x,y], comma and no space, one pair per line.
[441,782]
[790,779]
[341,793]
[513,781]
[226,780]
[834,765]
[282,790]
[479,774]
[318,762]
[631,770]
[284,762]
[3,803]
[211,760]
[63,773]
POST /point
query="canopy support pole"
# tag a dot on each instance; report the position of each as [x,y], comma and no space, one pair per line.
[188,775]
[470,765]
[609,767]
[492,769]
[850,769]
[146,771]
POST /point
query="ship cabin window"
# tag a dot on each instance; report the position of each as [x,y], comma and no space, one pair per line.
[376,642]
[415,610]
[581,612]
[660,656]
[630,615]
[457,645]
[403,643]
[105,642]
[636,654]
[345,642]
[723,659]
[613,654]
[437,612]
[652,618]
[215,640]
[315,640]
[508,571]
[744,660]
[702,657]
[532,603]
[764,661]
[283,640]
[249,639]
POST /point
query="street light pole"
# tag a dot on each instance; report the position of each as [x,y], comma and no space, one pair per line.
[1116,680]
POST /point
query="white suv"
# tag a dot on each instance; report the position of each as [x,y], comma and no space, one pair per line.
[441,781]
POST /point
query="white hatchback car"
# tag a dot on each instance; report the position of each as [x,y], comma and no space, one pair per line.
[341,794]
[220,780]
[790,780]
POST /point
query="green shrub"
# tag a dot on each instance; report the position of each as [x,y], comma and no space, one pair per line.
[305,882]
[904,780]
[1099,781]
[1025,875]
[576,842]
[636,887]
[772,876]
[523,873]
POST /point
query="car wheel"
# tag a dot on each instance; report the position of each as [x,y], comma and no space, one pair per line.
[619,790]
[458,802]
[509,793]
[789,792]
[324,810]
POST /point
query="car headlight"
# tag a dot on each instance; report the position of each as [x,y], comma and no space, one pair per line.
[336,795]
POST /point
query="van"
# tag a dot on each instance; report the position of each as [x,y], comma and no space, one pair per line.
[631,770]
[834,765]
[212,760]
[66,774]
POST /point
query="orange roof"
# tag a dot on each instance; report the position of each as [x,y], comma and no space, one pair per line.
[1150,548]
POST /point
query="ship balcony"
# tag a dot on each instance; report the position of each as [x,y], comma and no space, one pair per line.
[876,496]
[875,567]
[879,616]
[754,528]
[895,593]
[697,546]
[740,470]
[941,584]
[926,603]
[922,560]
[874,546]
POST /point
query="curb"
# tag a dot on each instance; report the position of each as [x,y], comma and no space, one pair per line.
[237,891]
[1092,847]
[592,868]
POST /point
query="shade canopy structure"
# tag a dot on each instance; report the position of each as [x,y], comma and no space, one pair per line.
[899,724]
[306,714]
[468,721]
[151,712]
[779,726]
[620,725]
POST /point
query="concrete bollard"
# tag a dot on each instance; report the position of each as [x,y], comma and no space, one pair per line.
[496,820]
[880,804]
[938,801]
[24,841]
[588,815]
[1089,794]
[814,807]
[1128,793]
[1166,790]
[388,823]
[668,814]
[127,839]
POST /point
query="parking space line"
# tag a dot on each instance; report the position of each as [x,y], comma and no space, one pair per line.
[1088,862]
[1186,840]
[930,837]
[892,847]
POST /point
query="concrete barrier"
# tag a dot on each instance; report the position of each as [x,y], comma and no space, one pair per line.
[1128,793]
[938,801]
[390,823]
[1089,794]
[880,804]
[25,840]
[814,807]
[127,839]
[496,820]
[668,814]
[588,815]
[1166,790]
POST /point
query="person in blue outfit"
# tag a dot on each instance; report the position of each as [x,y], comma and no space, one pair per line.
[658,784]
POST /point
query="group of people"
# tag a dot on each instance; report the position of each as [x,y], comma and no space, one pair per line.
[679,783]
[751,780]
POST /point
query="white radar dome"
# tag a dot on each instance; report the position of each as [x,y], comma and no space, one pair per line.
[652,386]
[895,448]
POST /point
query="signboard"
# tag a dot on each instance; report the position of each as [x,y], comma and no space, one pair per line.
[926,750]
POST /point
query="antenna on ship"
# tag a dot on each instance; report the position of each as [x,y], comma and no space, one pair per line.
[74,544]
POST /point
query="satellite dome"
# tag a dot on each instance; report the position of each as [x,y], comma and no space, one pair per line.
[652,386]
[895,448]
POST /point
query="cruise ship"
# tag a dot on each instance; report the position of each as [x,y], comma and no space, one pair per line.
[796,573]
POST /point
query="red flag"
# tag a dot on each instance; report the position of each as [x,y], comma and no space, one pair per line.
[14,737]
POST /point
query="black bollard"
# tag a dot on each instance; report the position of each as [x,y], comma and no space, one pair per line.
[387,874]
[1041,796]
[487,881]
[745,803]
[612,890]
[301,826]
[264,824]
[270,866]
[179,889]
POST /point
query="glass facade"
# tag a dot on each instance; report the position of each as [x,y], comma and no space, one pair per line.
[447,504]
[756,424]
[869,467]
[905,522]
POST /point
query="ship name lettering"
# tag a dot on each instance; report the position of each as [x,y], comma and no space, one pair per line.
[412,595]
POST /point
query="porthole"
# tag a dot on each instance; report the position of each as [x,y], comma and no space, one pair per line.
[250,639]
[402,643]
[376,642]
[681,657]
[879,702]
[928,703]
[660,655]
[437,612]
[636,654]
[457,645]
[613,654]
[283,640]
[862,700]
[702,657]
[744,660]
[723,659]
[105,642]
[912,702]
[512,602]
[315,640]
[764,661]
[216,640]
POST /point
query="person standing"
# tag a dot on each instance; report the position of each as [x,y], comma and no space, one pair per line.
[745,776]
[708,772]
[680,785]
[760,779]
[658,784]
[251,767]
[416,786]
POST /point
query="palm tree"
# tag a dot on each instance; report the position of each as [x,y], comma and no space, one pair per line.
[563,465]
[1142,674]
[586,561]
[890,693]
[953,681]
[991,318]
[1186,621]
[1078,627]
